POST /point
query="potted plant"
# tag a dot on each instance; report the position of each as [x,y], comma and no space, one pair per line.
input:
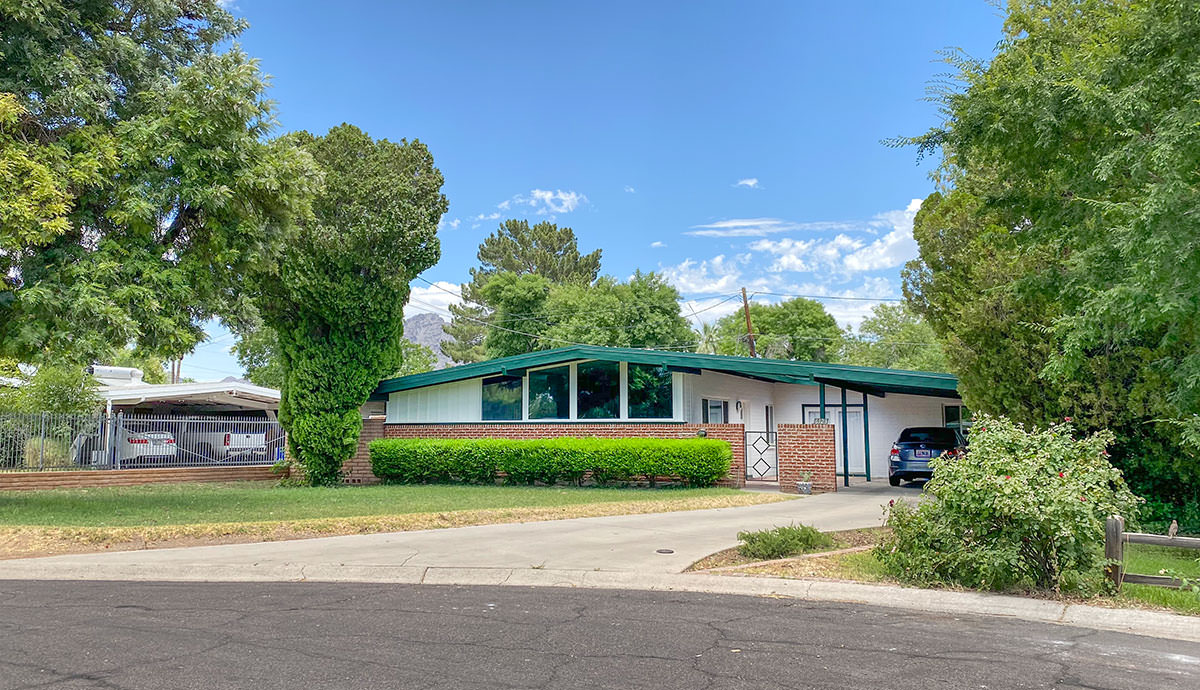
[804,486]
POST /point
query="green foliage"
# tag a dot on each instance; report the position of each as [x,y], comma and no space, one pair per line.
[781,542]
[1023,508]
[335,295]
[54,388]
[1060,260]
[257,351]
[695,462]
[798,329]
[543,249]
[530,312]
[894,337]
[136,183]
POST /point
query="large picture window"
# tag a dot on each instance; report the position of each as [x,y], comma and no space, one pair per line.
[599,386]
[550,393]
[650,392]
[502,398]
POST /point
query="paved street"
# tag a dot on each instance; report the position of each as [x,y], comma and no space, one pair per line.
[310,635]
[629,543]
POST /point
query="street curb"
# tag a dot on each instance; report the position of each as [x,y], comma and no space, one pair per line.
[1132,621]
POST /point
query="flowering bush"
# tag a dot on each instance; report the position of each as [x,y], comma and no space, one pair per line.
[1022,508]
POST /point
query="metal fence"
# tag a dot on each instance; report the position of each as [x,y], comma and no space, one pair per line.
[48,441]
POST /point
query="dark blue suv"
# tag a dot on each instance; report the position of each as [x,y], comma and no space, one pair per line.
[914,449]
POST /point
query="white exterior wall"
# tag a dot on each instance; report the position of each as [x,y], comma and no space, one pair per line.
[754,396]
[458,401]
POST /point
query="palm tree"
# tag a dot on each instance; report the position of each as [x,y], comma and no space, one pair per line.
[707,338]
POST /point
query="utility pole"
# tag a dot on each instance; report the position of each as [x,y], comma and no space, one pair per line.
[749,326]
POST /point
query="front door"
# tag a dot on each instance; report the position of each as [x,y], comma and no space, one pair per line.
[858,463]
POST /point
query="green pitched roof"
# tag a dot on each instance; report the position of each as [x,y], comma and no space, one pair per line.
[871,380]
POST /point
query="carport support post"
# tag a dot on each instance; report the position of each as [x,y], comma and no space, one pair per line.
[866,438]
[845,444]
[823,417]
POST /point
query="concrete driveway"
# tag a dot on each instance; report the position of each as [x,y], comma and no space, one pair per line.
[626,543]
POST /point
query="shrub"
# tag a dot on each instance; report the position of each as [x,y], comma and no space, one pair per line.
[1022,508]
[781,542]
[695,462]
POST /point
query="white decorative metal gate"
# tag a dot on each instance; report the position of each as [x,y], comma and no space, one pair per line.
[762,457]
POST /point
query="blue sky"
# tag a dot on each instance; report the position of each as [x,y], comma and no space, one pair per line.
[723,144]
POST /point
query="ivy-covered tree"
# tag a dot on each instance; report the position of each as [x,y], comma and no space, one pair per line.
[1060,258]
[516,247]
[894,337]
[798,329]
[257,350]
[532,313]
[136,183]
[336,291]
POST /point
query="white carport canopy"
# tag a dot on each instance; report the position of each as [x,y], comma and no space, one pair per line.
[213,394]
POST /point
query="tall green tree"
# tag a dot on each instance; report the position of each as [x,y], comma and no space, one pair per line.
[894,337]
[532,313]
[335,292]
[257,351]
[542,249]
[1060,258]
[798,329]
[136,183]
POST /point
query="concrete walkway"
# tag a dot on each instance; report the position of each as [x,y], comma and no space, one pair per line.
[624,543]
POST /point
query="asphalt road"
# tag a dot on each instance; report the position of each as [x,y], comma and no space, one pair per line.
[310,635]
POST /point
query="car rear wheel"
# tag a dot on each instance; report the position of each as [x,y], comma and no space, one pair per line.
[894,481]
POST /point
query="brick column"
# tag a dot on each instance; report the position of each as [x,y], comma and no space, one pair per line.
[807,448]
[357,470]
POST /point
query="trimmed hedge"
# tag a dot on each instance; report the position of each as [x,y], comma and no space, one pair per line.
[695,462]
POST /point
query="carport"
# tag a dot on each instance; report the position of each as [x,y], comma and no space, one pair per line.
[875,383]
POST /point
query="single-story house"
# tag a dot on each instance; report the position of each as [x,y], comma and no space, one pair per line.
[782,418]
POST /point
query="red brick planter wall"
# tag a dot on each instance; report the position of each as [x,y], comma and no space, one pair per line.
[358,469]
[807,448]
[88,478]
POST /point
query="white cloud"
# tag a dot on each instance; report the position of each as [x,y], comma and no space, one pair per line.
[434,299]
[658,245]
[845,255]
[749,182]
[761,227]
[544,202]
[690,277]
[894,248]
[487,216]
[447,223]
[630,190]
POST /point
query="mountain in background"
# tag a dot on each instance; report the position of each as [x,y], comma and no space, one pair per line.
[426,329]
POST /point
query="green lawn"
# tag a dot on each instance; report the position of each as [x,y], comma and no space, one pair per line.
[1149,560]
[179,504]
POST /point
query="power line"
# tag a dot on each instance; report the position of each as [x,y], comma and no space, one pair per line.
[832,298]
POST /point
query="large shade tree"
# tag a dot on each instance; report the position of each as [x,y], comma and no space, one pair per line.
[1060,259]
[136,183]
[798,329]
[335,293]
[532,313]
[542,249]
[893,336]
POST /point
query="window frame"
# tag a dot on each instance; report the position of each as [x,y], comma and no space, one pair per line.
[677,401]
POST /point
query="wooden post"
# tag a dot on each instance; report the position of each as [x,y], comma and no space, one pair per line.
[749,327]
[1114,549]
